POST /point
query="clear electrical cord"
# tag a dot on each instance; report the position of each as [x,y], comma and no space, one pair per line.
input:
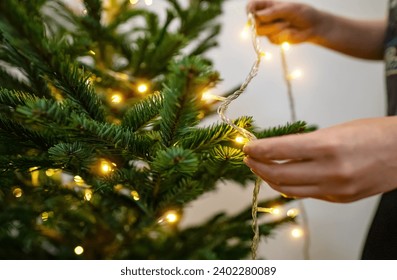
[222,113]
[248,135]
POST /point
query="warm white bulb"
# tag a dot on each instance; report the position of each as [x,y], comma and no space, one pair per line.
[297,74]
[78,250]
[286,46]
[50,172]
[87,195]
[44,216]
[142,88]
[170,217]
[117,98]
[148,2]
[240,140]
[78,180]
[275,211]
[297,233]
[135,195]
[209,97]
[133,2]
[245,33]
[292,213]
[17,192]
[106,166]
[206,96]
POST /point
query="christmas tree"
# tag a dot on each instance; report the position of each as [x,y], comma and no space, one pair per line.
[100,143]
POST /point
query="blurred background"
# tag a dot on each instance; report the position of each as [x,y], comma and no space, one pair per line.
[333,89]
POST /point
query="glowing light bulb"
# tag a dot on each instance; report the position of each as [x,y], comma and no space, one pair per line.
[297,74]
[91,52]
[17,192]
[87,195]
[142,88]
[148,2]
[135,195]
[117,98]
[78,250]
[274,210]
[171,217]
[297,233]
[50,172]
[209,97]
[286,46]
[292,213]
[34,172]
[245,33]
[133,2]
[78,180]
[240,140]
[105,167]
[44,216]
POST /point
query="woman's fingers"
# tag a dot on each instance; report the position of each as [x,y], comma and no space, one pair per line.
[256,5]
[290,147]
[292,173]
[272,28]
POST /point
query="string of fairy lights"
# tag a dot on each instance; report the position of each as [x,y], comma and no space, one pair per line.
[105,167]
[250,31]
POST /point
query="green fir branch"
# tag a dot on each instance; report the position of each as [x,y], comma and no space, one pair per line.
[181,104]
[15,131]
[15,98]
[12,163]
[111,135]
[77,157]
[227,154]
[175,162]
[205,138]
[180,194]
[142,113]
[297,127]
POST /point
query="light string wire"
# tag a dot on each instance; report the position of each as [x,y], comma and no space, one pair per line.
[305,219]
[253,72]
[222,113]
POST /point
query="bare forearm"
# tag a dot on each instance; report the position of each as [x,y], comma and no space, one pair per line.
[358,38]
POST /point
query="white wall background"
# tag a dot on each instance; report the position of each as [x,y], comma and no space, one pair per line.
[335,89]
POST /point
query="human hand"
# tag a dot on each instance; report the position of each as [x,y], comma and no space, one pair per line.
[282,21]
[343,163]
